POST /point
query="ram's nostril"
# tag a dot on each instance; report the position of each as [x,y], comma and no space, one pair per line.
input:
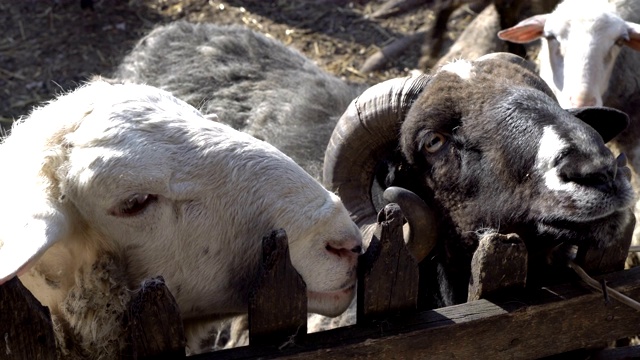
[601,178]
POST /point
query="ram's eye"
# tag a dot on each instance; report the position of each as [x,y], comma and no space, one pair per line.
[134,205]
[550,37]
[434,141]
[620,42]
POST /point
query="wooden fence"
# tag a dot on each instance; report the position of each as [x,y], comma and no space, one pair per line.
[502,320]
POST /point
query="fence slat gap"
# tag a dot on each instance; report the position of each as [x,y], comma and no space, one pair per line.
[26,331]
[278,299]
[154,323]
[388,274]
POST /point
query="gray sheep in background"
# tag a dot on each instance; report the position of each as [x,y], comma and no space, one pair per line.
[251,82]
[590,55]
[117,184]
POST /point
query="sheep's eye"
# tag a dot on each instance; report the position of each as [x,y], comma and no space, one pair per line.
[550,37]
[134,205]
[620,42]
[434,141]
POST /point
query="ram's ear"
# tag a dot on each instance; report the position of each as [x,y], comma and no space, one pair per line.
[26,235]
[633,36]
[608,122]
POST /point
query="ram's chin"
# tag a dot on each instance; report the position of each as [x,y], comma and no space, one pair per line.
[607,226]
[330,303]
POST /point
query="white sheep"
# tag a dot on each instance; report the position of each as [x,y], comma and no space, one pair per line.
[590,56]
[115,184]
[581,42]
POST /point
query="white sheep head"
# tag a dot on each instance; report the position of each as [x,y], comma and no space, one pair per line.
[131,170]
[580,44]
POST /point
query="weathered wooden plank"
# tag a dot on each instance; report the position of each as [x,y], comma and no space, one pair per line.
[528,326]
[278,300]
[499,264]
[388,274]
[154,323]
[26,331]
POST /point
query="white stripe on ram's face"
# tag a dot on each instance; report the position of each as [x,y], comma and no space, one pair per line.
[550,146]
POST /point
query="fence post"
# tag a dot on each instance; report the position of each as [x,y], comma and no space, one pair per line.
[278,299]
[154,324]
[26,331]
[388,274]
[500,262]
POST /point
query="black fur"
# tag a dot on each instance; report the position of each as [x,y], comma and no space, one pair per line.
[484,177]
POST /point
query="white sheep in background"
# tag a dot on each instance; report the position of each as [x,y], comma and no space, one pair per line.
[115,184]
[581,44]
[590,56]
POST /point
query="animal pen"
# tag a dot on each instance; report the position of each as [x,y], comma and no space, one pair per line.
[501,320]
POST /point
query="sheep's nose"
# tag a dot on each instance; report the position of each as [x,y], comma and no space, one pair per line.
[590,172]
[350,248]
[583,100]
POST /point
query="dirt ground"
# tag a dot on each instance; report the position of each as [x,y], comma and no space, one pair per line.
[48,46]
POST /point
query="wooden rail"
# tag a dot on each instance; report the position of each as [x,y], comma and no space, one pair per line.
[502,320]
[523,325]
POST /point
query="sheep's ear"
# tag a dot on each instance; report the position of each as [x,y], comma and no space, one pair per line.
[525,31]
[633,32]
[608,122]
[24,238]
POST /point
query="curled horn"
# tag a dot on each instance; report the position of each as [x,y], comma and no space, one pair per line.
[420,218]
[365,134]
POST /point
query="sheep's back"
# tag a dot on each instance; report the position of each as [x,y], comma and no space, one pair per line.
[251,82]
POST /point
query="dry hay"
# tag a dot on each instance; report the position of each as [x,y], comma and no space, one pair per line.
[50,46]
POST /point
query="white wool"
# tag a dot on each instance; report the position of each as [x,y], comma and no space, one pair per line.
[129,175]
